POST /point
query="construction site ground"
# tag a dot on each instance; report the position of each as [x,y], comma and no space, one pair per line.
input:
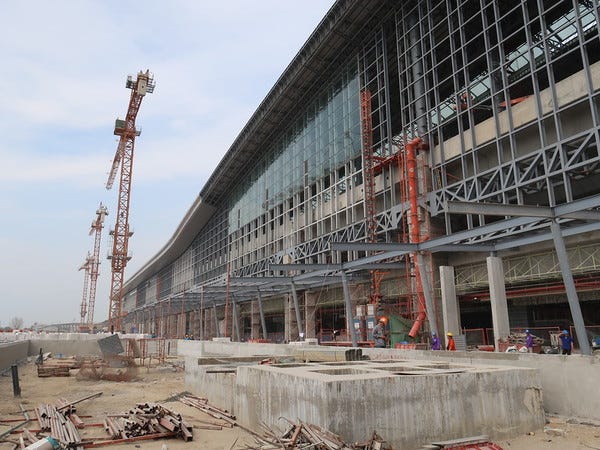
[159,383]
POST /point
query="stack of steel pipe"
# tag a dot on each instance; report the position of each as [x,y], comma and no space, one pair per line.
[147,419]
[62,429]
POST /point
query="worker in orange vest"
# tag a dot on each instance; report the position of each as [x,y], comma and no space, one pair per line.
[451,344]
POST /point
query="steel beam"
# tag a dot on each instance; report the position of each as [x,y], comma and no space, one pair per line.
[373,247]
[571,231]
[315,267]
[573,210]
[431,246]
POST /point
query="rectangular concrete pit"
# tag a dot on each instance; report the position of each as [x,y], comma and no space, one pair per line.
[409,404]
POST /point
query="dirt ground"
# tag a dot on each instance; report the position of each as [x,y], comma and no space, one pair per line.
[161,382]
[156,385]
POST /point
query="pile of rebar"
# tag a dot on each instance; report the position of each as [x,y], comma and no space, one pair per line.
[300,436]
[226,419]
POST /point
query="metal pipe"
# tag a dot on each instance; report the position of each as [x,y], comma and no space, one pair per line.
[418,75]
[414,228]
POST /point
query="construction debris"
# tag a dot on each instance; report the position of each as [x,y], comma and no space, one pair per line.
[52,371]
[61,423]
[56,367]
[302,435]
[468,443]
[299,436]
[148,419]
[113,368]
[226,419]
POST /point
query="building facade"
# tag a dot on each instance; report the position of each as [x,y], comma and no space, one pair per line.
[388,112]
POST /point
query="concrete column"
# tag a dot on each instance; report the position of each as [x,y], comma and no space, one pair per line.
[288,318]
[216,321]
[254,320]
[299,326]
[450,307]
[498,299]
[310,313]
[349,310]
[237,332]
[263,321]
[427,292]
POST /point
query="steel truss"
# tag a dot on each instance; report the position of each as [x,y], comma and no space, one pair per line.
[576,156]
[534,267]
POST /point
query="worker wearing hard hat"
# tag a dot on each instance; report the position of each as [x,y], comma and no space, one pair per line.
[380,333]
[566,342]
[451,346]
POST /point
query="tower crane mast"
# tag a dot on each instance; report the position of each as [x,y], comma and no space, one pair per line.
[95,229]
[143,84]
[86,281]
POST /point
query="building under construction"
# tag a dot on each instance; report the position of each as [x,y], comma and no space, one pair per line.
[436,162]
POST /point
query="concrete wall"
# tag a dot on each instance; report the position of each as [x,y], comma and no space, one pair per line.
[408,404]
[66,344]
[64,347]
[220,348]
[12,353]
[569,383]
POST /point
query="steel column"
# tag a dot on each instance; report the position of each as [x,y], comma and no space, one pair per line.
[565,268]
[263,322]
[427,293]
[217,331]
[236,319]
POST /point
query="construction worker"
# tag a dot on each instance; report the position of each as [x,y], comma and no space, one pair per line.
[380,333]
[435,342]
[529,341]
[451,346]
[566,342]
[463,101]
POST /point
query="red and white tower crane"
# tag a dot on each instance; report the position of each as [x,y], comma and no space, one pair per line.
[91,266]
[84,299]
[143,84]
[94,263]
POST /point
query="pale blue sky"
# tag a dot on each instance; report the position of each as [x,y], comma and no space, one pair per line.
[62,84]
